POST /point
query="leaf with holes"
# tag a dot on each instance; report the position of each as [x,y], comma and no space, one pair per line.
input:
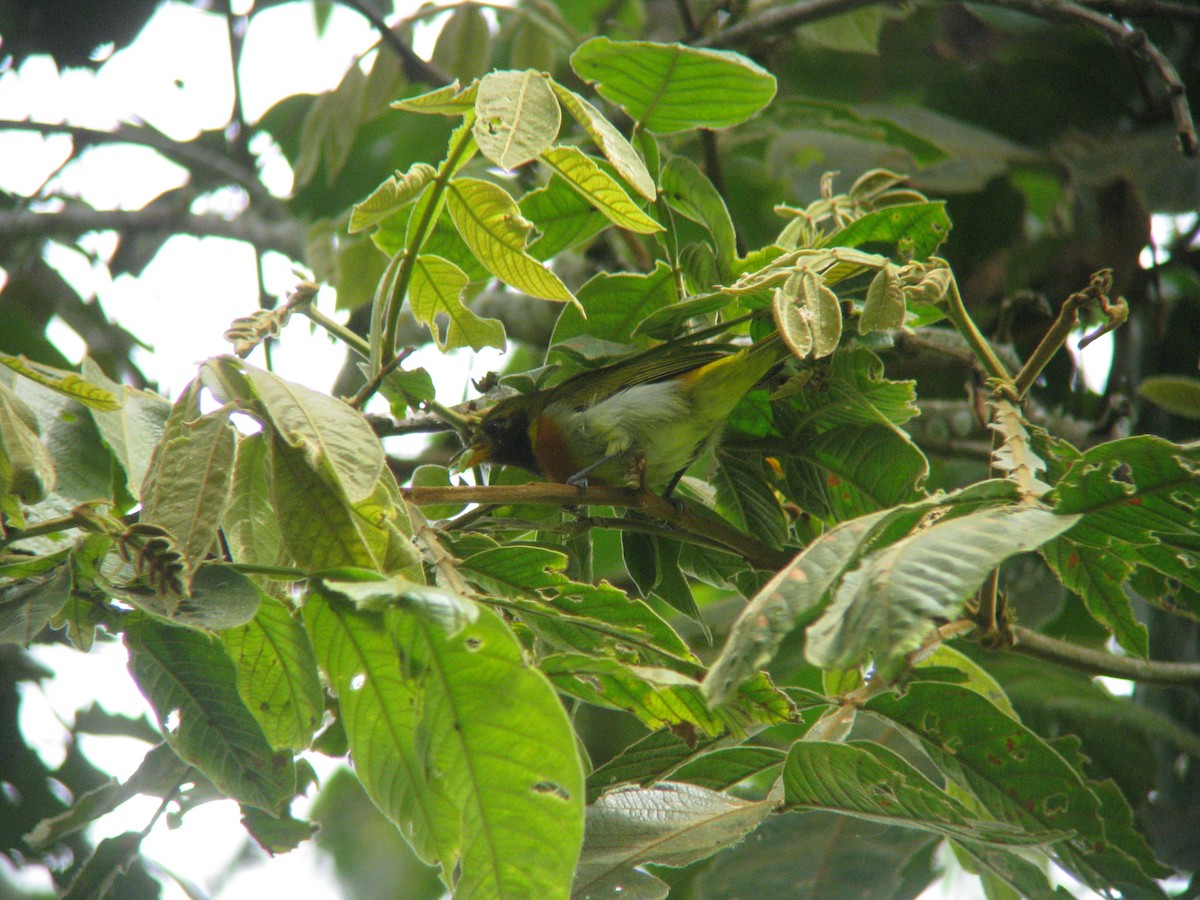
[516,117]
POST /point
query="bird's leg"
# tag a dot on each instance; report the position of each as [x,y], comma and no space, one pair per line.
[635,476]
[579,479]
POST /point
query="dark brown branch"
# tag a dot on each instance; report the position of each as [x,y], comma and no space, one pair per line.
[686,519]
[415,68]
[1129,38]
[1101,662]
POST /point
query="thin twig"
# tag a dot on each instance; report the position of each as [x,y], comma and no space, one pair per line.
[415,68]
[1101,662]
[367,391]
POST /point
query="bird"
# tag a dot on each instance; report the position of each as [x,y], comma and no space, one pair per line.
[639,422]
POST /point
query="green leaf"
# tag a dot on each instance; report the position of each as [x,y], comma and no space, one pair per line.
[669,824]
[690,193]
[133,429]
[884,306]
[322,530]
[599,188]
[277,674]
[669,87]
[855,31]
[192,685]
[727,767]
[516,117]
[869,781]
[491,223]
[595,619]
[190,476]
[464,45]
[26,469]
[886,606]
[436,289]
[1015,776]
[93,396]
[27,605]
[915,229]
[334,437]
[747,499]
[614,304]
[611,142]
[251,526]
[648,760]
[393,195]
[1139,499]
[562,216]
[1098,577]
[788,601]
[1177,394]
[506,776]
[451,612]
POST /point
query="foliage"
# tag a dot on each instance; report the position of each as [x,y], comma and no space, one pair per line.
[523,689]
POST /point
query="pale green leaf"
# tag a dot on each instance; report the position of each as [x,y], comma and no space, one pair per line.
[611,142]
[1177,394]
[600,189]
[436,290]
[449,100]
[277,674]
[516,117]
[464,45]
[490,221]
[26,469]
[689,191]
[884,304]
[391,196]
[131,430]
[69,384]
[443,608]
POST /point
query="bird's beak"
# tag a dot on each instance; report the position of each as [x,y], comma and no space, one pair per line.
[470,456]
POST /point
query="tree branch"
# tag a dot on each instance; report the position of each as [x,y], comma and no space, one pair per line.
[287,237]
[415,68]
[1101,662]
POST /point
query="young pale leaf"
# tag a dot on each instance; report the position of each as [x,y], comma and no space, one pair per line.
[669,87]
[490,221]
[393,195]
[869,781]
[599,188]
[886,606]
[449,100]
[190,476]
[94,396]
[277,674]
[516,117]
[787,601]
[884,305]
[808,314]
[690,193]
[611,142]
[192,685]
[436,289]
[669,824]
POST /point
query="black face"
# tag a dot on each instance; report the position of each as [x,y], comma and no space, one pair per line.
[505,430]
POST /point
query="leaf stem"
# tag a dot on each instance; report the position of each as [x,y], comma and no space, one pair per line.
[1101,662]
[395,296]
[956,311]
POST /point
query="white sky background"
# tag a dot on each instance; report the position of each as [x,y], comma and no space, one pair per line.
[176,78]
